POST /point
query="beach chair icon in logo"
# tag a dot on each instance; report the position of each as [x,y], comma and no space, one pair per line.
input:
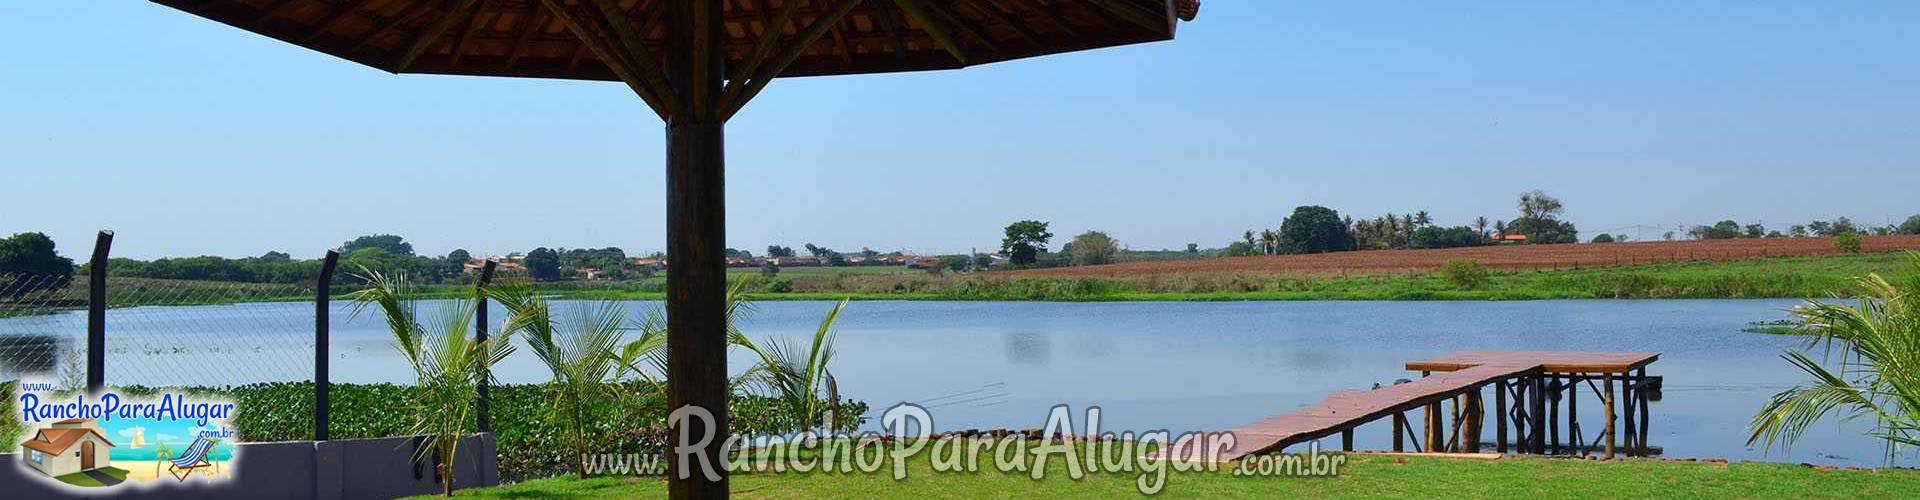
[194,458]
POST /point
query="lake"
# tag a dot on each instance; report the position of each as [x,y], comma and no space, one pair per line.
[1178,366]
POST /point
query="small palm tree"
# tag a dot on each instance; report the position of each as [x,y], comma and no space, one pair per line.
[581,351]
[1878,341]
[448,363]
[796,375]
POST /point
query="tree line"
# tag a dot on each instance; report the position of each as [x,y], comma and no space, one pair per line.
[1318,229]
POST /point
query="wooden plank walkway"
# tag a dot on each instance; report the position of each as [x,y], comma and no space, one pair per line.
[1454,375]
[1551,361]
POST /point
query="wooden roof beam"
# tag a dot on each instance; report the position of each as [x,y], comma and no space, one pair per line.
[769,37]
[1134,16]
[389,24]
[885,18]
[1051,12]
[964,27]
[536,22]
[608,52]
[466,35]
[432,33]
[273,11]
[996,17]
[340,12]
[792,51]
[914,10]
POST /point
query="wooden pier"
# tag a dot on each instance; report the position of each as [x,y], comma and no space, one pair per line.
[1528,387]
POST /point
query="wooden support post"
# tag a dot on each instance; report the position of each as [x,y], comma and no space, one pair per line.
[322,331]
[1627,389]
[1574,438]
[1475,413]
[1607,406]
[1431,439]
[1645,385]
[1500,416]
[1556,392]
[1538,415]
[1399,436]
[97,312]
[1346,439]
[696,238]
[481,420]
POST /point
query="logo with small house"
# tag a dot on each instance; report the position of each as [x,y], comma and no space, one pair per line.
[70,446]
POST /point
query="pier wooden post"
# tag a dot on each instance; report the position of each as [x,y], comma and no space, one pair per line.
[1538,415]
[1471,443]
[1574,439]
[1607,404]
[1628,386]
[1431,440]
[1399,436]
[1500,415]
[1645,384]
[1555,393]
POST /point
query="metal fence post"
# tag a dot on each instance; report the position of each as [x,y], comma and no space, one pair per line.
[322,328]
[97,312]
[480,334]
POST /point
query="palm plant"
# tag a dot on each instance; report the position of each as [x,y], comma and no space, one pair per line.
[1878,345]
[448,363]
[796,375]
[580,350]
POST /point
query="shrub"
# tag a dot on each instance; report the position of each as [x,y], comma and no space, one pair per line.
[1848,242]
[1464,274]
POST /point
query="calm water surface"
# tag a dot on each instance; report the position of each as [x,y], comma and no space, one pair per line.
[1177,366]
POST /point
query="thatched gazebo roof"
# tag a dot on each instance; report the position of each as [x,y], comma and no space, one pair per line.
[523,38]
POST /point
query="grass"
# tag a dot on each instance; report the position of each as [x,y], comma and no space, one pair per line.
[1365,476]
[82,479]
[1776,277]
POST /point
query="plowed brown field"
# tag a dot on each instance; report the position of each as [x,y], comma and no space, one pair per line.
[1506,257]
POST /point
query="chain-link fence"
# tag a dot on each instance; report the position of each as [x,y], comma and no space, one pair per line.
[43,327]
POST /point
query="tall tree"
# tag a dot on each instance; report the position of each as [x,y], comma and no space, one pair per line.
[1092,248]
[29,263]
[1539,219]
[1315,229]
[1911,226]
[543,264]
[1024,241]
[392,244]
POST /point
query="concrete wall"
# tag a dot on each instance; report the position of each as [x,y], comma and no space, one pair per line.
[349,469]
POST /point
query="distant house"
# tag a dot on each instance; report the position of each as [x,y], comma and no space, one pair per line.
[646,262]
[588,273]
[69,446]
[1509,239]
[743,262]
[924,262]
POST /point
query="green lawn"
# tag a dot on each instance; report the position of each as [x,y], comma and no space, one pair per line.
[82,479]
[1366,476]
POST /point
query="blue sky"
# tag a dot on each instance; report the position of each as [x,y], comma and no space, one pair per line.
[188,137]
